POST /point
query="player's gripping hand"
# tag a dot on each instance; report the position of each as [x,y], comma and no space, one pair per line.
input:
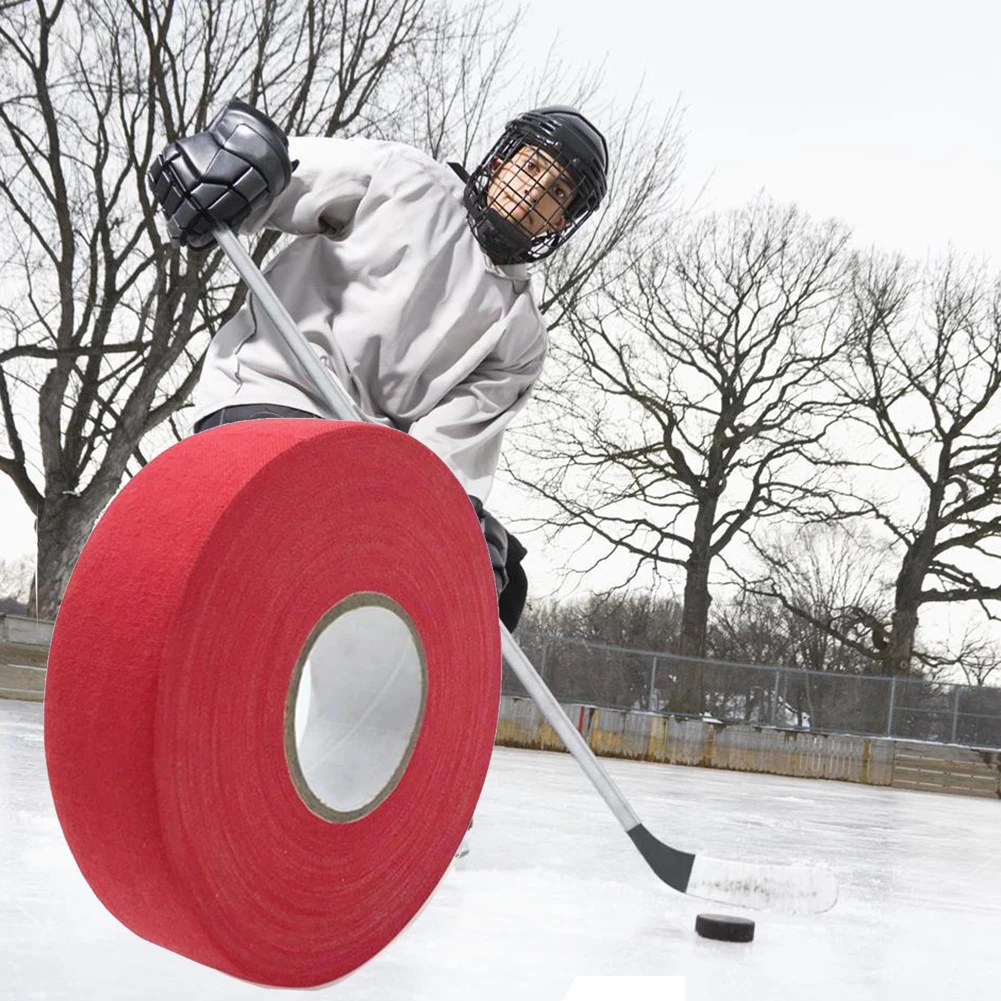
[506,555]
[496,539]
[219,176]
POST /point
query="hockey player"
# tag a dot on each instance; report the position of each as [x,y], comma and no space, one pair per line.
[408,277]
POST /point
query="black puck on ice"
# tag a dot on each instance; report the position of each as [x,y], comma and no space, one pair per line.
[725,928]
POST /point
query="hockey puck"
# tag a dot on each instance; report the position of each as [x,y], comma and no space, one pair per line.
[725,928]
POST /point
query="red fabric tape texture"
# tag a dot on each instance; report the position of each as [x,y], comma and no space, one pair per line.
[170,665]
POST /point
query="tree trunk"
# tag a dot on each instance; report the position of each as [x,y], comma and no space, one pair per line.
[907,601]
[900,647]
[695,612]
[64,525]
[910,581]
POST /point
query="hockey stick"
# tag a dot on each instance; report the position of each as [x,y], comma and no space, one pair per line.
[795,889]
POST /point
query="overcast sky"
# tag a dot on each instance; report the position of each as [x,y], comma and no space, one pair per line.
[882,114]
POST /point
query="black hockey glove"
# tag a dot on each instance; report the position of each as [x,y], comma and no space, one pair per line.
[506,554]
[512,599]
[219,176]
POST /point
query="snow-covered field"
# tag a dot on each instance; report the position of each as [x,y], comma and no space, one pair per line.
[553,889]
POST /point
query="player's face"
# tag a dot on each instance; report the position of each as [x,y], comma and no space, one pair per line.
[531,190]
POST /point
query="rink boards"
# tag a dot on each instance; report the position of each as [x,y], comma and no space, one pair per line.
[645,736]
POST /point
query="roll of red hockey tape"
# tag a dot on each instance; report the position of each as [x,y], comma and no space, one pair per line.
[170,712]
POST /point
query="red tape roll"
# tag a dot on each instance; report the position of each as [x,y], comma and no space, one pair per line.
[170,666]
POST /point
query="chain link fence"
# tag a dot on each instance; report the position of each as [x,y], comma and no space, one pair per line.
[622,678]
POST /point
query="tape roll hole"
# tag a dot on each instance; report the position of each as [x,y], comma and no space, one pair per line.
[355,706]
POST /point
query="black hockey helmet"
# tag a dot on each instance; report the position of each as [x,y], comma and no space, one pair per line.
[580,150]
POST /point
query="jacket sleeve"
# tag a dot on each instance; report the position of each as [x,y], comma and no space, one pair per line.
[329,181]
[465,429]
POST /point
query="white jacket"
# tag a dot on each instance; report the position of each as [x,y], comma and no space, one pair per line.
[395,295]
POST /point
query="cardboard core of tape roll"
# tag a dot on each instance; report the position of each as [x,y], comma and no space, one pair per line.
[171,695]
[355,705]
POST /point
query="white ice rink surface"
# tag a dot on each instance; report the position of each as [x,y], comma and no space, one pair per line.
[553,889]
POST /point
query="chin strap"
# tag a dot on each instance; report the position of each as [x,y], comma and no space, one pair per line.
[503,241]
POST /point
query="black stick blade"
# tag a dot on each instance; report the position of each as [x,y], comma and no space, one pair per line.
[672,866]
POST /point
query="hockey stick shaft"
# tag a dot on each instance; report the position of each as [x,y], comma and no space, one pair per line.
[343,407]
[333,394]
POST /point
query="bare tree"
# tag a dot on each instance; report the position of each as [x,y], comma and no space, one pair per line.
[831,583]
[825,596]
[824,593]
[924,387]
[979,659]
[646,154]
[598,649]
[443,97]
[638,619]
[103,325]
[691,395]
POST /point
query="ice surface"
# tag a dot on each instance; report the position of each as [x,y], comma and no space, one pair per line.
[553,889]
